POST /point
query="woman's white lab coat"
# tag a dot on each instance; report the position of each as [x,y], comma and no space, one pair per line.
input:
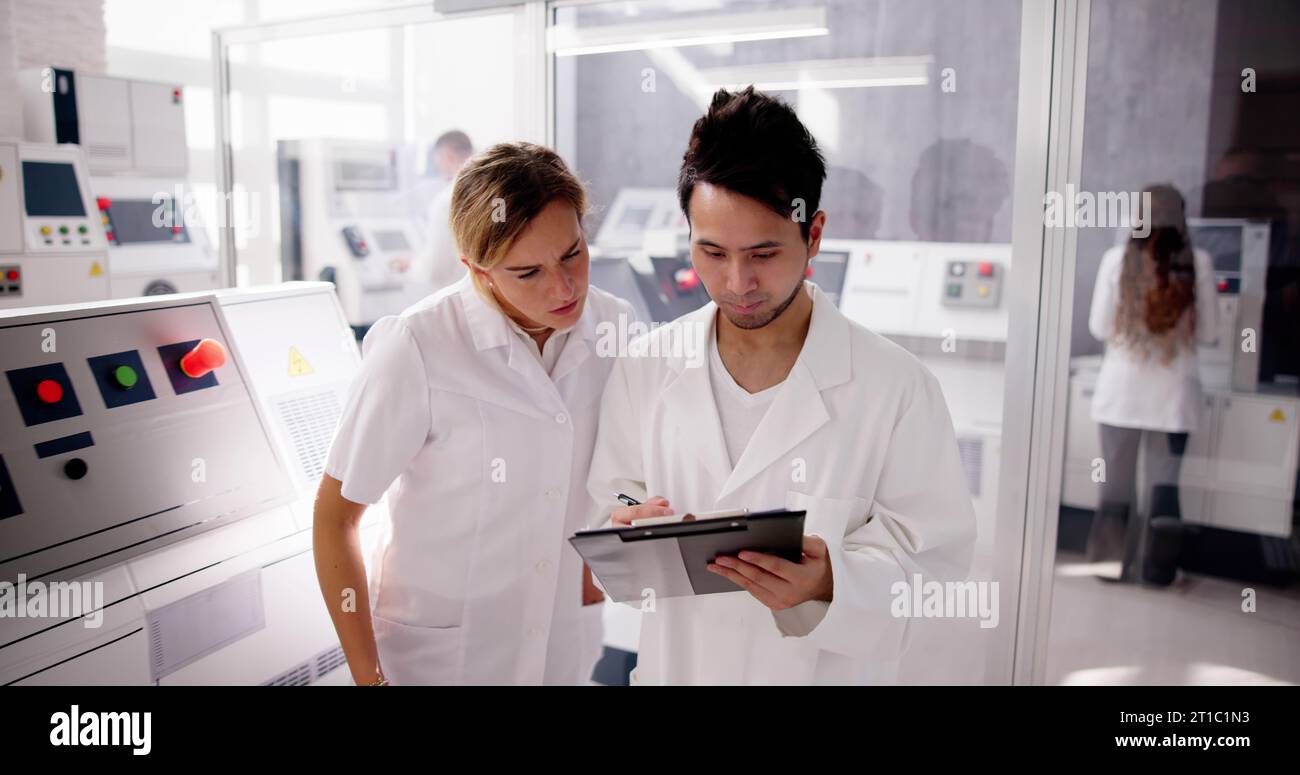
[476,582]
[859,435]
[1139,392]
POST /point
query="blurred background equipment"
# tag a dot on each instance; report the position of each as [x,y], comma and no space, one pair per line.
[133,136]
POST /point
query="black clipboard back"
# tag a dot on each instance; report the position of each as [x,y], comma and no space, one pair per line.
[670,560]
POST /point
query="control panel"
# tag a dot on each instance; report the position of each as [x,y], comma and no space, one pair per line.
[155,238]
[124,427]
[52,246]
[926,289]
[972,284]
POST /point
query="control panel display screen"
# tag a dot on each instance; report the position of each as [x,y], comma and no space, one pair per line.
[133,222]
[50,190]
[391,240]
[1223,243]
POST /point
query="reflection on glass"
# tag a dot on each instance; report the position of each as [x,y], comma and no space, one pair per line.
[1181,442]
[914,107]
[346,143]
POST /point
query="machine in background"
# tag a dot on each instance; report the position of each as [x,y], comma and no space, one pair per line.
[169,448]
[52,249]
[345,217]
[133,135]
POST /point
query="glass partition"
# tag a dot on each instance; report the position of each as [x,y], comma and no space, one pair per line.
[914,105]
[1176,552]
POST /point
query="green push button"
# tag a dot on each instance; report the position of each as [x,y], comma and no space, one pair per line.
[81,229]
[63,229]
[125,377]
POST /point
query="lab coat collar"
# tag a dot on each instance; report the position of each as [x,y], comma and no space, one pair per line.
[490,328]
[825,351]
[796,412]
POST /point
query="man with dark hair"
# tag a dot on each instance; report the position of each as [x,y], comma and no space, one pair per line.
[797,407]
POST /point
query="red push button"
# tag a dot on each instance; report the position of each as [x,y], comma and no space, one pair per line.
[986,269]
[103,203]
[207,355]
[13,275]
[49,391]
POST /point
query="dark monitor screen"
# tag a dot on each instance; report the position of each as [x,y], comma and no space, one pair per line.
[50,189]
[829,268]
[617,276]
[1222,242]
[133,222]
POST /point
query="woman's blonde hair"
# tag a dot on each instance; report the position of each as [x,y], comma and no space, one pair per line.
[499,192]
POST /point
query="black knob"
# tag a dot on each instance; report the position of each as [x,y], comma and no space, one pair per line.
[75,468]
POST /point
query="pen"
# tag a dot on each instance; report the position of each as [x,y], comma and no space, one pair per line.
[627,500]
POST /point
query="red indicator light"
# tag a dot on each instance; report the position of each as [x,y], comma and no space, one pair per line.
[207,355]
[686,279]
[49,391]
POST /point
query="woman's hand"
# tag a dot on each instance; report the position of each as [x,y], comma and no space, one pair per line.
[653,507]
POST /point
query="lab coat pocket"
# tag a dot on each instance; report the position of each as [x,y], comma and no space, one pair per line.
[828,518]
[411,654]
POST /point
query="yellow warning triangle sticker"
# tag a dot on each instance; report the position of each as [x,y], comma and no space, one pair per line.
[298,365]
[95,269]
[1277,416]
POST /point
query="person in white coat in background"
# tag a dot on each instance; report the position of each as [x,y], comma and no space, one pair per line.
[796,406]
[1154,301]
[478,405]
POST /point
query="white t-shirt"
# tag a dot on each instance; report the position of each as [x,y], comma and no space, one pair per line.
[739,410]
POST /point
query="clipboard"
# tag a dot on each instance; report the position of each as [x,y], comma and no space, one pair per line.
[672,559]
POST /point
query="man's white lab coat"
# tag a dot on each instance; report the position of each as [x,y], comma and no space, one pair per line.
[858,435]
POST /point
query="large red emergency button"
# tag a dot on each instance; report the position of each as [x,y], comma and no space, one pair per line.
[207,355]
[103,203]
[49,391]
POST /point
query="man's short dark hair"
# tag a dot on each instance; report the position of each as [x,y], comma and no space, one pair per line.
[754,145]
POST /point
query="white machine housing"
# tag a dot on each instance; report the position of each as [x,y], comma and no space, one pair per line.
[643,222]
[52,249]
[133,136]
[236,603]
[125,126]
[927,289]
[356,228]
[155,236]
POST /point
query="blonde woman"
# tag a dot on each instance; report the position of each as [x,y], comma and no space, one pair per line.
[476,410]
